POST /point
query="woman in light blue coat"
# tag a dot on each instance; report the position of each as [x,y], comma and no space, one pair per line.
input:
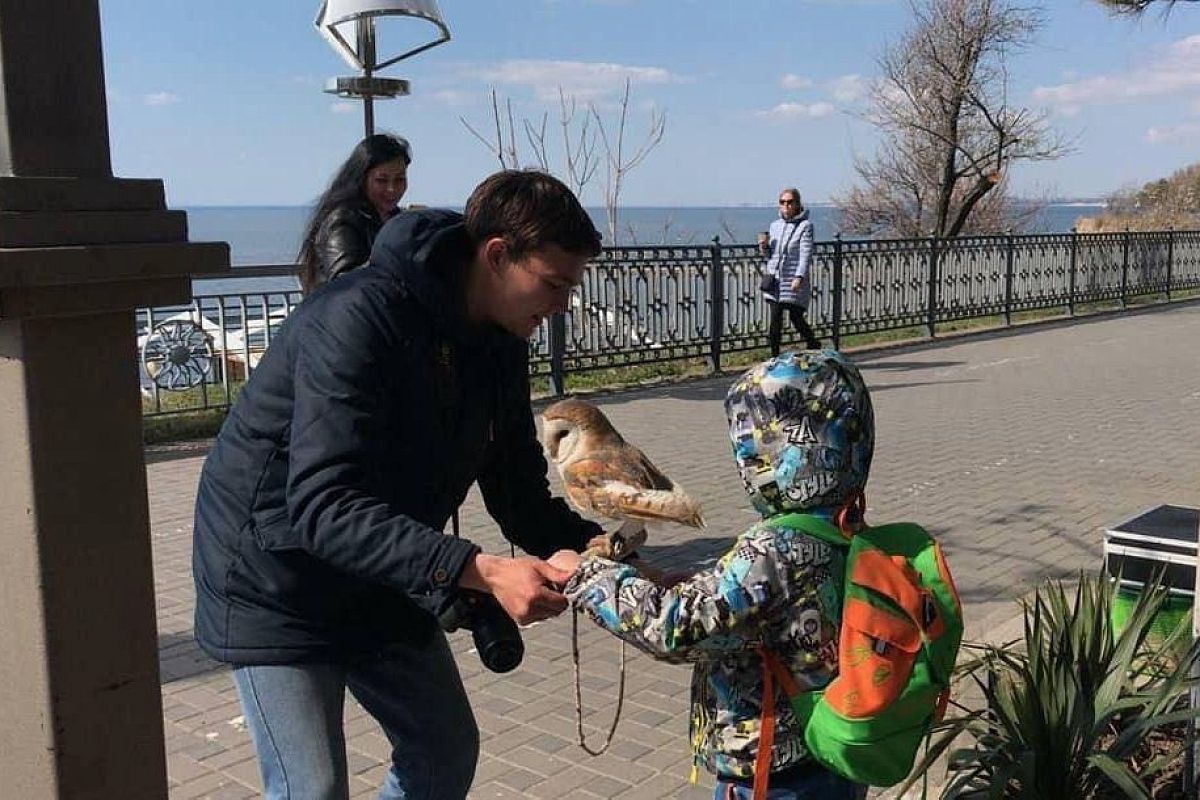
[788,248]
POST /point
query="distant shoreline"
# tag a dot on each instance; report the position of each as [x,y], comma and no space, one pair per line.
[738,206]
[260,235]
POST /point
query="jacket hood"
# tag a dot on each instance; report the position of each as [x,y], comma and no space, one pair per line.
[801,217]
[803,431]
[428,252]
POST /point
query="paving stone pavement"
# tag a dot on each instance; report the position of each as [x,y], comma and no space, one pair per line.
[1015,448]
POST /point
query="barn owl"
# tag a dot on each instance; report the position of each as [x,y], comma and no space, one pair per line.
[604,474]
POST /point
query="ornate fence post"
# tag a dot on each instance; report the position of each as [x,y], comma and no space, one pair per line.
[1008,277]
[1125,269]
[1072,272]
[1170,260]
[716,309]
[839,282]
[931,312]
[558,349]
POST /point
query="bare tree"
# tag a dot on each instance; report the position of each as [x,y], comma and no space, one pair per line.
[579,143]
[1172,202]
[949,131]
[619,163]
[582,134]
[1138,6]
[580,158]
[502,147]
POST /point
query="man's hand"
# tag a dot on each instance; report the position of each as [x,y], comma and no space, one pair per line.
[566,560]
[796,283]
[522,586]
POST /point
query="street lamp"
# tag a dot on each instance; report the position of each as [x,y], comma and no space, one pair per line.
[349,27]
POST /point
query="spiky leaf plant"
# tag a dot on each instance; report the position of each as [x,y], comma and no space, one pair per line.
[1066,709]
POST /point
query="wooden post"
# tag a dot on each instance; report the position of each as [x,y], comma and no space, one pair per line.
[79,250]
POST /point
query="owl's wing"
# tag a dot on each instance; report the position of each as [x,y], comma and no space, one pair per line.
[625,465]
[623,484]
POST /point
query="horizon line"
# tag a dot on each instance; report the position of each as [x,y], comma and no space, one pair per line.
[1066,201]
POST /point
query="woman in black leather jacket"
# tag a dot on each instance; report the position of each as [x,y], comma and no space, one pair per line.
[361,197]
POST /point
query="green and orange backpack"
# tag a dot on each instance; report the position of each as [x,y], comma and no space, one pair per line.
[901,628]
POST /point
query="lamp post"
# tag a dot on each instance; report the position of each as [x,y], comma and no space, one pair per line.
[350,28]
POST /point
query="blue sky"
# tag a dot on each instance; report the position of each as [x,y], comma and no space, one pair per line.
[222,99]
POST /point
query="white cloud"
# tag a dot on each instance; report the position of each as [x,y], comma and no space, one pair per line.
[160,99]
[791,81]
[1186,132]
[453,97]
[344,107]
[798,111]
[1174,71]
[586,80]
[848,88]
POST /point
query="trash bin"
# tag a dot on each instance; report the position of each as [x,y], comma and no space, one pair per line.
[1165,540]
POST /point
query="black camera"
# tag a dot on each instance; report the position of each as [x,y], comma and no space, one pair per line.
[496,636]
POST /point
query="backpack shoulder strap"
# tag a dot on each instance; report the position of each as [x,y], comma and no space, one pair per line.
[905,539]
[802,703]
[813,526]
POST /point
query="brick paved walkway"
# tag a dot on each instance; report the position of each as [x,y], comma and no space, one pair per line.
[1016,449]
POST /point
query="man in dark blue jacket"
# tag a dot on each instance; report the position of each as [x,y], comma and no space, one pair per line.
[319,555]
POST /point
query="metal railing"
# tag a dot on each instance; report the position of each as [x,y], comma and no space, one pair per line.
[653,304]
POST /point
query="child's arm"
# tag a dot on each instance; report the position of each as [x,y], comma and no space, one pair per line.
[696,616]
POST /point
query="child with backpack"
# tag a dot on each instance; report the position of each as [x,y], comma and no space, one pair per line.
[821,647]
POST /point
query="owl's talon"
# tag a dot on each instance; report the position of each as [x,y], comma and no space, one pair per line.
[619,544]
[627,538]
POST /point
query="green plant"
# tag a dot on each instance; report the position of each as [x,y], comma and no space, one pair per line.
[1068,711]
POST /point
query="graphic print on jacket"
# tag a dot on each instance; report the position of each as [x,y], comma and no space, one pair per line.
[776,586]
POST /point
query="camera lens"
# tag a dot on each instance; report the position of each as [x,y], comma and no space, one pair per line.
[500,654]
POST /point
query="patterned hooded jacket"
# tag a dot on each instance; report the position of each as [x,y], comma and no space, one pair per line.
[802,430]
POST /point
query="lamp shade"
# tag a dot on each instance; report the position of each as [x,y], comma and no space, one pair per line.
[343,23]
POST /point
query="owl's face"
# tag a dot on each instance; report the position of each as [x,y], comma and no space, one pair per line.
[561,438]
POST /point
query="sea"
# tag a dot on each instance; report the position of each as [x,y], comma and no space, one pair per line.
[270,235]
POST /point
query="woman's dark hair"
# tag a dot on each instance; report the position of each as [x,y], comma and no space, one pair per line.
[530,210]
[346,189]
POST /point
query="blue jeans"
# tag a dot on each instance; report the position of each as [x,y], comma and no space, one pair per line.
[294,715]
[804,783]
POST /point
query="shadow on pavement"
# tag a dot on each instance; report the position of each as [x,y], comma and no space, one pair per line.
[876,388]
[179,657]
[172,451]
[1032,566]
[871,363]
[712,388]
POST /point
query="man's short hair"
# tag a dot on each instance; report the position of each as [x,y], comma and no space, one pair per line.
[530,210]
